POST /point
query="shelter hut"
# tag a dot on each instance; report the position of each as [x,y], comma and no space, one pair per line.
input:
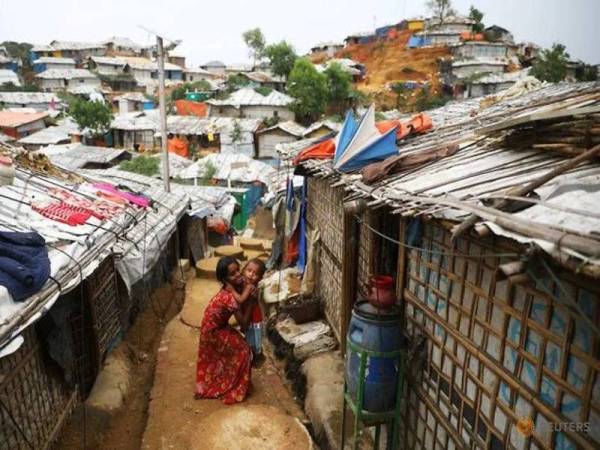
[55,338]
[484,226]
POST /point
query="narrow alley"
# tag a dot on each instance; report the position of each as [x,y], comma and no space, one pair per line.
[268,419]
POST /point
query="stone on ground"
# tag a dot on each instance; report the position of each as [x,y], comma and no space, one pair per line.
[230,250]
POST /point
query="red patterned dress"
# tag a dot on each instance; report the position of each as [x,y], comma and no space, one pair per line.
[224,357]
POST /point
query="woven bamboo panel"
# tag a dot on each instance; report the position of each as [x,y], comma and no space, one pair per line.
[498,354]
[35,403]
[103,298]
[325,211]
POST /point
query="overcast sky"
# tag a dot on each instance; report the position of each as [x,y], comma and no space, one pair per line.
[212,29]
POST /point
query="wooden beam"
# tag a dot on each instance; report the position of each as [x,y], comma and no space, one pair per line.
[526,189]
[349,271]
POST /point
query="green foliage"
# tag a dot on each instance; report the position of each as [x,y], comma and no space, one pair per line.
[402,94]
[255,41]
[440,9]
[359,98]
[144,165]
[282,57]
[17,49]
[237,81]
[179,92]
[339,83]
[236,133]
[379,116]
[269,122]
[263,90]
[477,16]
[587,73]
[427,101]
[10,87]
[309,89]
[210,171]
[95,116]
[551,65]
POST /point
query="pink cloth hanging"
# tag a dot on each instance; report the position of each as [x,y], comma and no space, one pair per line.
[131,198]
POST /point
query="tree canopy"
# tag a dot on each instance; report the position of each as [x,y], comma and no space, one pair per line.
[552,64]
[477,17]
[255,41]
[309,89]
[179,92]
[95,116]
[282,57]
[440,9]
[339,83]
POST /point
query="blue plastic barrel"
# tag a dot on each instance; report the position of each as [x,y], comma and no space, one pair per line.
[374,330]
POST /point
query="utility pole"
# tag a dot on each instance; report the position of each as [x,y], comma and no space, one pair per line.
[163,113]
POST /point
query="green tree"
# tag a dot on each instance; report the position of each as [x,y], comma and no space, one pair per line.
[587,73]
[477,17]
[440,9]
[309,89]
[552,64]
[339,83]
[282,57]
[17,49]
[10,87]
[95,116]
[255,41]
[236,81]
[179,92]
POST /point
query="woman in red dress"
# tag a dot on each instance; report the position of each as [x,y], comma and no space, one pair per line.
[224,357]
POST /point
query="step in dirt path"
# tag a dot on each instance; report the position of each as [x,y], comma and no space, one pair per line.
[268,419]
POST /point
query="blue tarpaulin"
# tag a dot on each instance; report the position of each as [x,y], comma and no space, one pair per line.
[302,234]
[345,135]
[418,41]
[376,151]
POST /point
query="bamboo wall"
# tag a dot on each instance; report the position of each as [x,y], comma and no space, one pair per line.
[324,210]
[497,353]
[34,402]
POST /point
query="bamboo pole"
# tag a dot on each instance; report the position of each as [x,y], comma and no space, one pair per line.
[524,190]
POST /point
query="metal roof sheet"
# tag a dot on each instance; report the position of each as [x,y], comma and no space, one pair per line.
[289,126]
[25,98]
[54,60]
[249,97]
[67,74]
[13,119]
[52,135]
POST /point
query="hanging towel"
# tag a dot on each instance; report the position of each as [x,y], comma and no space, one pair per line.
[24,263]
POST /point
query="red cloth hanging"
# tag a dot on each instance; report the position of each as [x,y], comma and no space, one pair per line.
[321,150]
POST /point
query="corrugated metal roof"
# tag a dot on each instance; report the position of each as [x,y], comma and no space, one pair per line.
[13,119]
[8,76]
[249,97]
[108,61]
[77,156]
[263,77]
[482,60]
[123,42]
[213,63]
[24,98]
[66,74]
[54,60]
[149,120]
[289,126]
[502,77]
[52,135]
[133,97]
[333,126]
[73,45]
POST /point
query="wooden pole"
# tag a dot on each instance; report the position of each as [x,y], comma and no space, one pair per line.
[163,113]
[524,190]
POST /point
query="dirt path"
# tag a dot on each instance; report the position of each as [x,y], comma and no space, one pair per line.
[176,420]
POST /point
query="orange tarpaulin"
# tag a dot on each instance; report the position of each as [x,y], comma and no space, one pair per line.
[321,150]
[326,149]
[189,108]
[178,146]
[417,124]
